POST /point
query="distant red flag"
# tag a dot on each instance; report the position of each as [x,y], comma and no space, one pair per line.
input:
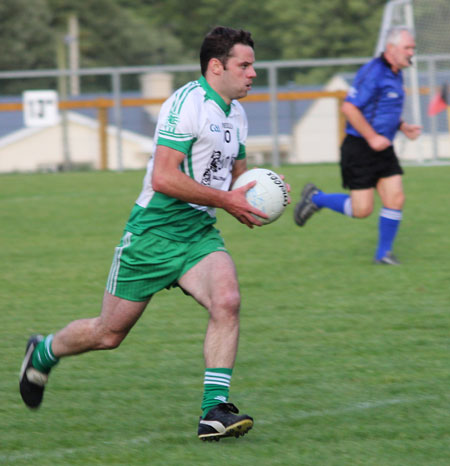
[438,102]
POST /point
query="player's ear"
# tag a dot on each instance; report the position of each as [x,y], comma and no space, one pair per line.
[216,66]
[389,48]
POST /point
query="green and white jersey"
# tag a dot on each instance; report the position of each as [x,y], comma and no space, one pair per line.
[196,121]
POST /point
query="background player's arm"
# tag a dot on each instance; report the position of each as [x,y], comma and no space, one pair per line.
[167,178]
[410,131]
[354,115]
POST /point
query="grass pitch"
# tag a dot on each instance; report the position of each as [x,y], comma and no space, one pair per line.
[341,362]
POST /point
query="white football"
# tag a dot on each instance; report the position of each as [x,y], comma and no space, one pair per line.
[269,193]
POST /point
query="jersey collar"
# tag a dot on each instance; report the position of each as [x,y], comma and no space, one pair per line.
[383,59]
[213,95]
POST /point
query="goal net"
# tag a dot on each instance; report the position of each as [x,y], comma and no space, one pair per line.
[432,19]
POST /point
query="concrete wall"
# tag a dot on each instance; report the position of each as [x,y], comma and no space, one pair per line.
[316,135]
[156,85]
[41,149]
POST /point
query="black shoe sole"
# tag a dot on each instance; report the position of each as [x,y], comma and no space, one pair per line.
[235,430]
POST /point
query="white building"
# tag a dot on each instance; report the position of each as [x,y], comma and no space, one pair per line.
[42,149]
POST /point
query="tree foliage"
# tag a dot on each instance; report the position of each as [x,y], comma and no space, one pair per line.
[26,35]
[145,32]
[282,28]
[111,35]
[324,28]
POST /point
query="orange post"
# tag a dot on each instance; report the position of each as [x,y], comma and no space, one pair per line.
[103,136]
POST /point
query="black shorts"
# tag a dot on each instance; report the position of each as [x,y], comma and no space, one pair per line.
[362,167]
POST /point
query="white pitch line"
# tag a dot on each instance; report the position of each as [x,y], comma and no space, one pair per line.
[360,407]
[63,452]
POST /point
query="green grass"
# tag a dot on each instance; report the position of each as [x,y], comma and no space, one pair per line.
[340,362]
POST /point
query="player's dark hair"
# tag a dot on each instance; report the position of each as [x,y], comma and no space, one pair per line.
[219,42]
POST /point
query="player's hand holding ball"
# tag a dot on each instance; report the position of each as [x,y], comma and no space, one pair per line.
[270,194]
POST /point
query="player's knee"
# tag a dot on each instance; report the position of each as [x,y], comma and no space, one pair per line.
[362,211]
[395,201]
[232,303]
[227,305]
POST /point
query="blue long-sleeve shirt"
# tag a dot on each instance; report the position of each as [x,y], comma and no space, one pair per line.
[378,93]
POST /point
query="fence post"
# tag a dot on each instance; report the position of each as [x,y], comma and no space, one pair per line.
[273,86]
[116,84]
[103,135]
[62,91]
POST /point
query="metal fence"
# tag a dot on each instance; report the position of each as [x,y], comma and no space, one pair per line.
[433,71]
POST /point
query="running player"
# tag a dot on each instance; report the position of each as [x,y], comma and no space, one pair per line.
[170,239]
[373,108]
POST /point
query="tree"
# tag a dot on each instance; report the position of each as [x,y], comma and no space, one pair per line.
[25,35]
[324,28]
[190,21]
[114,36]
[282,29]
[148,32]
[111,36]
[26,38]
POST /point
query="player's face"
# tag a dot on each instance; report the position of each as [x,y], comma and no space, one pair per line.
[403,52]
[238,73]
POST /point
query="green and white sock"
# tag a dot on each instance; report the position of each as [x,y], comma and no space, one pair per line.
[43,358]
[216,388]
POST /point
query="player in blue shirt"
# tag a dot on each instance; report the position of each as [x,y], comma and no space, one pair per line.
[373,109]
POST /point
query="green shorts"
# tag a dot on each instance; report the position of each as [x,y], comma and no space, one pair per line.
[145,264]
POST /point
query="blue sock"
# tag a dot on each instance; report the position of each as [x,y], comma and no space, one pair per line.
[338,202]
[388,224]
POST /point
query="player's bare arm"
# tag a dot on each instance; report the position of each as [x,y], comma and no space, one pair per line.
[410,131]
[376,141]
[168,179]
